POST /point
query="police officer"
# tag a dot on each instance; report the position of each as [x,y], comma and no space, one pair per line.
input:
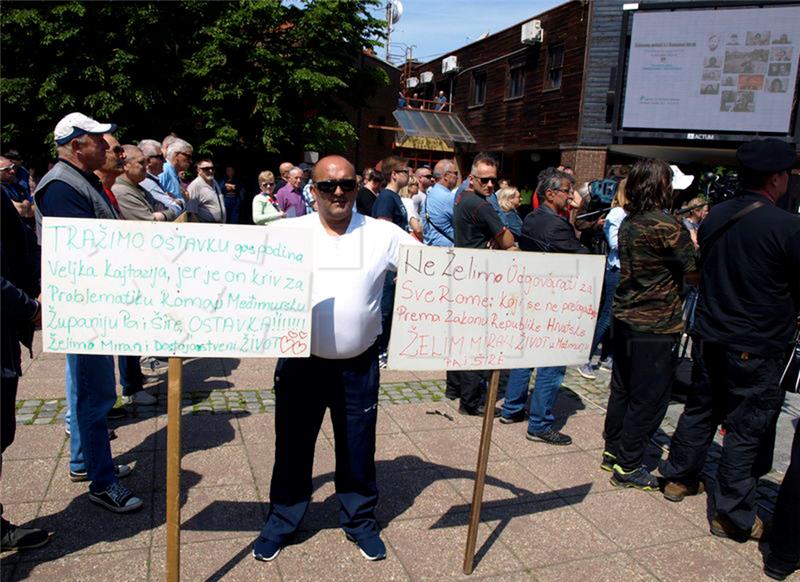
[749,297]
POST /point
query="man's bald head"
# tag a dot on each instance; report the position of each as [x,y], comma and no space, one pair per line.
[285,168]
[331,163]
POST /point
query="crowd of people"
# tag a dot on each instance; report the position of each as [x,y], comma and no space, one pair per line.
[728,278]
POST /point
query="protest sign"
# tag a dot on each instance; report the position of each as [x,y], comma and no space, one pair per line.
[467,309]
[202,290]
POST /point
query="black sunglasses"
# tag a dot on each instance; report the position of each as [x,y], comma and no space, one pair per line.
[329,186]
[484,181]
[160,158]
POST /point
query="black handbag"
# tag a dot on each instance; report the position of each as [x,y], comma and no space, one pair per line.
[790,379]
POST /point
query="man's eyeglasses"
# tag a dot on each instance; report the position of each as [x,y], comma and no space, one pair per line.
[428,176]
[267,184]
[159,158]
[8,168]
[486,180]
[188,156]
[329,186]
[402,171]
[206,168]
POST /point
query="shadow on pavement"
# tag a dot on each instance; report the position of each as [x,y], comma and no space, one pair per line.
[82,524]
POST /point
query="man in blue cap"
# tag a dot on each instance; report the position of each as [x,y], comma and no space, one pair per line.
[749,297]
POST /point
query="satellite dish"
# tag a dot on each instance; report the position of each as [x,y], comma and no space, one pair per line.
[395,11]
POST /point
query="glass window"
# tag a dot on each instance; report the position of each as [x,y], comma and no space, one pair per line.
[478,93]
[555,66]
[515,86]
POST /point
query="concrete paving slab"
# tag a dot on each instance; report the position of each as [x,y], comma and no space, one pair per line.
[134,435]
[35,442]
[202,431]
[26,480]
[413,417]
[570,469]
[216,560]
[119,566]
[257,428]
[697,559]
[547,532]
[506,481]
[85,528]
[211,513]
[433,548]
[457,447]
[608,568]
[414,494]
[207,468]
[624,514]
[328,555]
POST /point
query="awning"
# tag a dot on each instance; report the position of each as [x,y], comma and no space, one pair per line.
[442,126]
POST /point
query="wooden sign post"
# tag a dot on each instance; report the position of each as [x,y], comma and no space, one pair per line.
[471,309]
[175,290]
[174,395]
[480,473]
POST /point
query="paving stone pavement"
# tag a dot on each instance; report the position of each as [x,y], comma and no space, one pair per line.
[549,513]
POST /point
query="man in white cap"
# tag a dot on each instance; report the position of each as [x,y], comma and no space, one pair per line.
[72,190]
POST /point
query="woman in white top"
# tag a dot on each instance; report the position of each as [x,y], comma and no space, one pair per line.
[265,206]
[406,195]
[611,229]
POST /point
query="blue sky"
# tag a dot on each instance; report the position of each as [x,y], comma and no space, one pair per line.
[439,26]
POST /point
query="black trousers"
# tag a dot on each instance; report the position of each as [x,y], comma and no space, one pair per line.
[702,414]
[8,411]
[785,539]
[304,389]
[644,365]
[467,385]
[751,401]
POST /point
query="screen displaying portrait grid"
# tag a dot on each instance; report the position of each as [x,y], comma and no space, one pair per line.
[717,70]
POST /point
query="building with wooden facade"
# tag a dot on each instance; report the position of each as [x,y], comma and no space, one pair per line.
[550,90]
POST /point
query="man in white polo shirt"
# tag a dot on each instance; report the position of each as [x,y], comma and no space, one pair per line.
[352,253]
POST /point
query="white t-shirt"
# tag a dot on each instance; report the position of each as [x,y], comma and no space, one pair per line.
[347,282]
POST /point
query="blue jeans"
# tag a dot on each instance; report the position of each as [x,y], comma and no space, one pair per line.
[91,393]
[604,317]
[545,393]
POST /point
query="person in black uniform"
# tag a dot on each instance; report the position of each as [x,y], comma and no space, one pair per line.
[748,301]
[477,225]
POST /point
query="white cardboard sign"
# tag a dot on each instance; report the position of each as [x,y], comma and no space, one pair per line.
[175,289]
[465,309]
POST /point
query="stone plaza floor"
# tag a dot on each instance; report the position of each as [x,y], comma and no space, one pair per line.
[549,513]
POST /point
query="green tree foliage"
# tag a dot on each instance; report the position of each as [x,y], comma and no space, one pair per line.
[238,76]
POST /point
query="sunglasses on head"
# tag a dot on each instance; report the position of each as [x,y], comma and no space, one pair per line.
[484,181]
[329,186]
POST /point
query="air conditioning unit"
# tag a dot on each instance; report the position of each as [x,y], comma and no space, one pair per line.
[425,77]
[412,82]
[450,64]
[532,32]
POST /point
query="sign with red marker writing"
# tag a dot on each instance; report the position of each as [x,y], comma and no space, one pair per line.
[175,289]
[468,309]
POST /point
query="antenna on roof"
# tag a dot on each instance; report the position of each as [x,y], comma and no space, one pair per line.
[394,10]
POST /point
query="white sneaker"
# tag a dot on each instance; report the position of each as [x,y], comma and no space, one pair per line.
[141,398]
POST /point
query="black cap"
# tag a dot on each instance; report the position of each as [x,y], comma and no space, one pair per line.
[766,155]
[12,155]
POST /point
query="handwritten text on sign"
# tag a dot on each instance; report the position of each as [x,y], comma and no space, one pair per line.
[462,309]
[139,288]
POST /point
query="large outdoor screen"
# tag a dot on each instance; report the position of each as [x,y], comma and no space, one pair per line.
[719,70]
